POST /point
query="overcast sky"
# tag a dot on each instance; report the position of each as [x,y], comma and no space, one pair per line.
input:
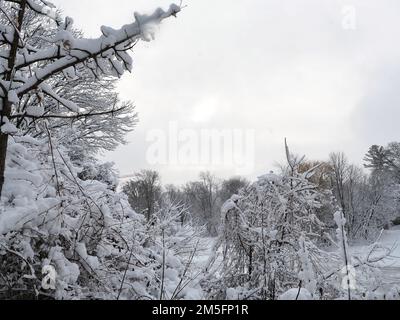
[299,69]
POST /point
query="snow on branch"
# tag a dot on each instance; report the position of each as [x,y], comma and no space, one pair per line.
[45,8]
[104,55]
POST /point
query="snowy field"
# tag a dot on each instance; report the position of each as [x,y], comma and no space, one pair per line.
[389,266]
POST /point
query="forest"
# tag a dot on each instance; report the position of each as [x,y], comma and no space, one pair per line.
[309,229]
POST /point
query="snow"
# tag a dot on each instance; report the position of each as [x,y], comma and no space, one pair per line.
[59,206]
[172,275]
[79,50]
[307,274]
[15,174]
[388,278]
[70,105]
[67,272]
[9,128]
[47,8]
[35,111]
[13,97]
[232,294]
[270,178]
[228,206]
[296,294]
[390,239]
[49,214]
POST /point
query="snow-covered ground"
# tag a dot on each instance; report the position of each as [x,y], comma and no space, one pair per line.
[390,265]
[390,239]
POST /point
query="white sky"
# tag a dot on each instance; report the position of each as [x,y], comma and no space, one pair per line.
[286,68]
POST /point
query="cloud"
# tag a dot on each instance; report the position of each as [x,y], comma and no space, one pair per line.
[376,118]
[282,68]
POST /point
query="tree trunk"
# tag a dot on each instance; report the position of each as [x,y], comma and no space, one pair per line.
[3,143]
[6,110]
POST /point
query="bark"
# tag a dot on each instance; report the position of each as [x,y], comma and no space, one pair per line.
[6,110]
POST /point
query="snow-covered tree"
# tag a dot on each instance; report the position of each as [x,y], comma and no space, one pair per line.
[272,245]
[59,208]
[144,192]
[179,244]
[202,196]
[27,71]
[105,120]
[269,234]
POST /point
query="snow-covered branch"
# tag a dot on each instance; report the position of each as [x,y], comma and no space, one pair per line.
[98,54]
